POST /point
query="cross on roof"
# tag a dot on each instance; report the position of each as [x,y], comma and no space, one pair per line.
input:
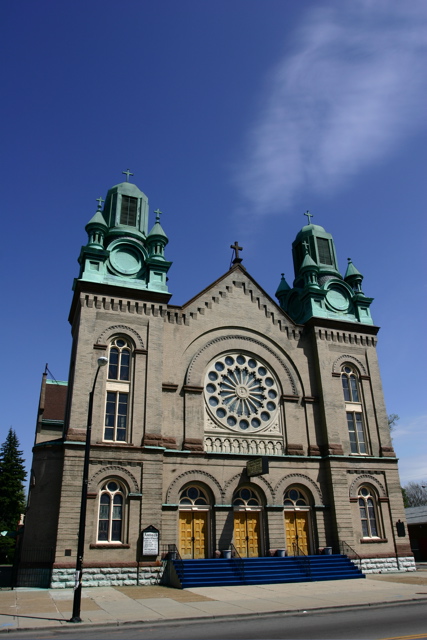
[127,174]
[158,214]
[236,250]
[309,215]
[100,201]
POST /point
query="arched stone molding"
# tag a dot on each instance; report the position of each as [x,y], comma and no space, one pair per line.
[301,479]
[111,472]
[260,482]
[336,367]
[124,329]
[367,478]
[197,477]
[236,342]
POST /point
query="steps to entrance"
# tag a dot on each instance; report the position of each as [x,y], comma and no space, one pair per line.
[223,572]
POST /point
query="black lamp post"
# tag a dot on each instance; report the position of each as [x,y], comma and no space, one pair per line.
[82,525]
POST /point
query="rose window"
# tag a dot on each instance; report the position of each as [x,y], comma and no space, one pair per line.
[240,392]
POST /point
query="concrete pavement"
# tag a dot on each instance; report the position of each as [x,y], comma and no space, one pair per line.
[43,608]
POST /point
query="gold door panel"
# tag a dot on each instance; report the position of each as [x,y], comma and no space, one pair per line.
[193,534]
[296,529]
[247,533]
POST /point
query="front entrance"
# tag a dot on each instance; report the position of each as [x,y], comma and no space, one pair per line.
[247,533]
[296,528]
[193,534]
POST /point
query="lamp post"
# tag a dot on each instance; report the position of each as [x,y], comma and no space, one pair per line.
[82,524]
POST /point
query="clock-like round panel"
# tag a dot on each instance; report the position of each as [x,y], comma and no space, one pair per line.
[125,260]
[241,393]
[338,299]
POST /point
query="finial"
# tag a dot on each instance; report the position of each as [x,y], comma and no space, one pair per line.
[309,215]
[236,250]
[283,275]
[349,259]
[100,201]
[158,214]
[127,174]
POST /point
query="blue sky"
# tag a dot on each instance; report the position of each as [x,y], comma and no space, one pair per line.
[235,116]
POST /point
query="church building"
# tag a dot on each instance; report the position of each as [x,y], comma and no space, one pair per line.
[195,398]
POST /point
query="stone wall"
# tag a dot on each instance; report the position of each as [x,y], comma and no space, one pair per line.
[385,565]
[107,577]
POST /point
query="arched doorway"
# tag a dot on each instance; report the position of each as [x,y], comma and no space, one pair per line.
[297,522]
[247,523]
[194,513]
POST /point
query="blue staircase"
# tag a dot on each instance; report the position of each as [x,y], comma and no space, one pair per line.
[223,572]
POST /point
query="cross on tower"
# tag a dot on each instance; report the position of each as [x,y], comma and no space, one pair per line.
[100,201]
[127,174]
[236,250]
[158,214]
[309,215]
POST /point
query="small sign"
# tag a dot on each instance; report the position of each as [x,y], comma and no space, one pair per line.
[150,541]
[400,526]
[257,467]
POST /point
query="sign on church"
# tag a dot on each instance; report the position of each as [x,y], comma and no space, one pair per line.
[150,541]
[257,467]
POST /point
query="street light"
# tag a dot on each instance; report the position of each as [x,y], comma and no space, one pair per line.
[81,540]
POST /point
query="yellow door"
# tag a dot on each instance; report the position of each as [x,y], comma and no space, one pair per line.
[247,533]
[296,528]
[193,534]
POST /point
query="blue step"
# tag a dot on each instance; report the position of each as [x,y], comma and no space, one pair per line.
[271,570]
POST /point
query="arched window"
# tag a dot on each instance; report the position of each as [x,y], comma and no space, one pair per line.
[368,512]
[350,385]
[354,413]
[295,498]
[111,503]
[193,496]
[119,360]
[245,498]
[118,391]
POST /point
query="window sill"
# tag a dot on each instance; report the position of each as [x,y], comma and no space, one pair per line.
[109,545]
[372,540]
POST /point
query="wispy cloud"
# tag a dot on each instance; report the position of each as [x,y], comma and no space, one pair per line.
[348,90]
[410,444]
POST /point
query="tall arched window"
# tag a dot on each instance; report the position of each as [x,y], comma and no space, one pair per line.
[354,413]
[119,360]
[118,390]
[350,385]
[111,503]
[368,512]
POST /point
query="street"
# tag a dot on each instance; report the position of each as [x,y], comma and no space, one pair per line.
[405,621]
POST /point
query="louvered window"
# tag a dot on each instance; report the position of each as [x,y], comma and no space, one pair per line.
[324,250]
[129,211]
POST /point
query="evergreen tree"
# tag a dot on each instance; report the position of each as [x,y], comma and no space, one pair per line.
[12,496]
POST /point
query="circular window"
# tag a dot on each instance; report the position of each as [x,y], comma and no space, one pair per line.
[239,392]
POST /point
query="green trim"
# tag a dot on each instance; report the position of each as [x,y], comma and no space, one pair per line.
[64,383]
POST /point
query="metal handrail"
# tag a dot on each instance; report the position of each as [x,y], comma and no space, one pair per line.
[347,550]
[238,563]
[302,558]
[173,551]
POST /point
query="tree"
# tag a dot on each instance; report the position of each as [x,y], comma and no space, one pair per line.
[392,420]
[12,495]
[415,494]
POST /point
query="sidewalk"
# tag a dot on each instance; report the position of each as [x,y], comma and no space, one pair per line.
[39,608]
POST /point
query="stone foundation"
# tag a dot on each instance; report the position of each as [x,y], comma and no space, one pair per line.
[385,565]
[107,577]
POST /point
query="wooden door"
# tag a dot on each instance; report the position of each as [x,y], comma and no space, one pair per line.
[247,533]
[193,534]
[296,528]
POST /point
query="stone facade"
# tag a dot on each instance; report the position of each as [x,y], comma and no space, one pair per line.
[191,394]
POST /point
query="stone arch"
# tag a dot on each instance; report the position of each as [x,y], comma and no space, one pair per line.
[107,334]
[304,481]
[260,482]
[113,471]
[196,476]
[367,478]
[221,344]
[337,365]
